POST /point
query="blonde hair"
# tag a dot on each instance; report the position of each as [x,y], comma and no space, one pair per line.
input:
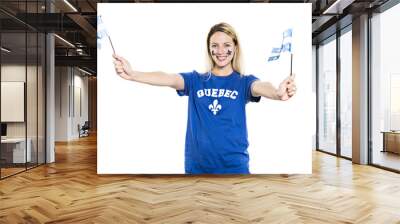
[227,29]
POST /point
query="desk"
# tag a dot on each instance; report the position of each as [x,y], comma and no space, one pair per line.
[391,141]
[16,147]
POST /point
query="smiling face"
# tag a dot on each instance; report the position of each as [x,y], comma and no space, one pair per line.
[222,49]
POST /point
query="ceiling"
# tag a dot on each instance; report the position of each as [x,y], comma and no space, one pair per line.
[76,23]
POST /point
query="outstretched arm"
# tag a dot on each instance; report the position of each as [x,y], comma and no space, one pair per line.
[124,69]
[285,91]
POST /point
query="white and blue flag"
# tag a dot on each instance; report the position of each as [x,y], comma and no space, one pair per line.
[286,45]
[276,52]
[101,32]
[287,41]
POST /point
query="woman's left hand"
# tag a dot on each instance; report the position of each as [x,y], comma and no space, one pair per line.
[287,88]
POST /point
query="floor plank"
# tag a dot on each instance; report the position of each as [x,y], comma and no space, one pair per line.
[70,191]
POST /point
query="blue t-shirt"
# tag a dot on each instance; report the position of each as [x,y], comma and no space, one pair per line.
[216,134]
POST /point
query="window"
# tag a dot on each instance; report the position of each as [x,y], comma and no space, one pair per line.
[385,89]
[327,96]
[346,93]
[22,68]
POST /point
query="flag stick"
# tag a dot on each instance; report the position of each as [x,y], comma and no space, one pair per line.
[111,43]
[291,63]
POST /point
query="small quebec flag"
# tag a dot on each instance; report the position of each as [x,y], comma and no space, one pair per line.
[102,33]
[276,52]
[285,46]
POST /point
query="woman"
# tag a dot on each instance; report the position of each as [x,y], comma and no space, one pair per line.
[216,134]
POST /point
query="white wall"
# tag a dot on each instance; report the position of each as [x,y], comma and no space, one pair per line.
[33,127]
[68,83]
[80,102]
[61,103]
[12,73]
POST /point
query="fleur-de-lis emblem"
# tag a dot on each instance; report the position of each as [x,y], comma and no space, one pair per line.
[215,107]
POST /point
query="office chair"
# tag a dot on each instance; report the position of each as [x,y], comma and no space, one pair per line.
[84,130]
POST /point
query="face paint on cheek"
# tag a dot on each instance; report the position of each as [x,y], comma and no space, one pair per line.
[212,53]
[229,52]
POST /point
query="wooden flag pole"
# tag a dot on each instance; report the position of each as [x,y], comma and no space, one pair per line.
[111,43]
[291,63]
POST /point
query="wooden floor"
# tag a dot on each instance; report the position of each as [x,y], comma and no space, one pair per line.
[8,171]
[70,191]
[5,172]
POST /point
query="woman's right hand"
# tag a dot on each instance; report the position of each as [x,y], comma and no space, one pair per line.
[122,67]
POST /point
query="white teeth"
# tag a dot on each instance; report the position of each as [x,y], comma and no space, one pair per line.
[221,58]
